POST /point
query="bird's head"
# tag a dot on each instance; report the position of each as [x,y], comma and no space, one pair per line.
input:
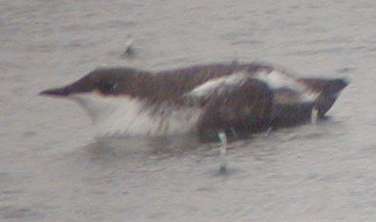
[100,91]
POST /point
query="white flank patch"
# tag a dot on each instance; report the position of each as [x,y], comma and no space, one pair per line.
[309,96]
[278,80]
[275,80]
[125,116]
[218,85]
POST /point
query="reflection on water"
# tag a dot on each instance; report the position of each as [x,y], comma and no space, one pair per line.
[159,147]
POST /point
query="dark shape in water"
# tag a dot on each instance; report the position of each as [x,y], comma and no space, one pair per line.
[233,97]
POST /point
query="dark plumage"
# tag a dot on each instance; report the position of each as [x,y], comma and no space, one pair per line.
[242,97]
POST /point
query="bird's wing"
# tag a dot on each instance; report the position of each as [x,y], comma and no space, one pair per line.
[233,102]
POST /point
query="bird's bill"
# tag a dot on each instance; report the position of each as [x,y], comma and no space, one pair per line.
[57,92]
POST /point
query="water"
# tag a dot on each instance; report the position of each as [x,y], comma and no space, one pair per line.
[51,168]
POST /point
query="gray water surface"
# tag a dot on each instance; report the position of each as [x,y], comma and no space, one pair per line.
[52,168]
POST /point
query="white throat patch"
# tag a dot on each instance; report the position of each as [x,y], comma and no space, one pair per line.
[126,116]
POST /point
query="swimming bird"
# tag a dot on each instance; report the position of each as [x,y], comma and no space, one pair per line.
[210,100]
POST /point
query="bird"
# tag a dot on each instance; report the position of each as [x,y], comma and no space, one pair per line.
[210,100]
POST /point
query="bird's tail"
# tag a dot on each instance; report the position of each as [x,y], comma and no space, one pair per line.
[329,91]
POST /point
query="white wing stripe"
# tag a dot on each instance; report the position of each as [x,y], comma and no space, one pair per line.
[218,85]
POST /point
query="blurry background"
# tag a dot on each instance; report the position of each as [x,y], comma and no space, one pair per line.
[51,168]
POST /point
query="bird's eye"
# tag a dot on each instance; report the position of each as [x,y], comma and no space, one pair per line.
[107,87]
